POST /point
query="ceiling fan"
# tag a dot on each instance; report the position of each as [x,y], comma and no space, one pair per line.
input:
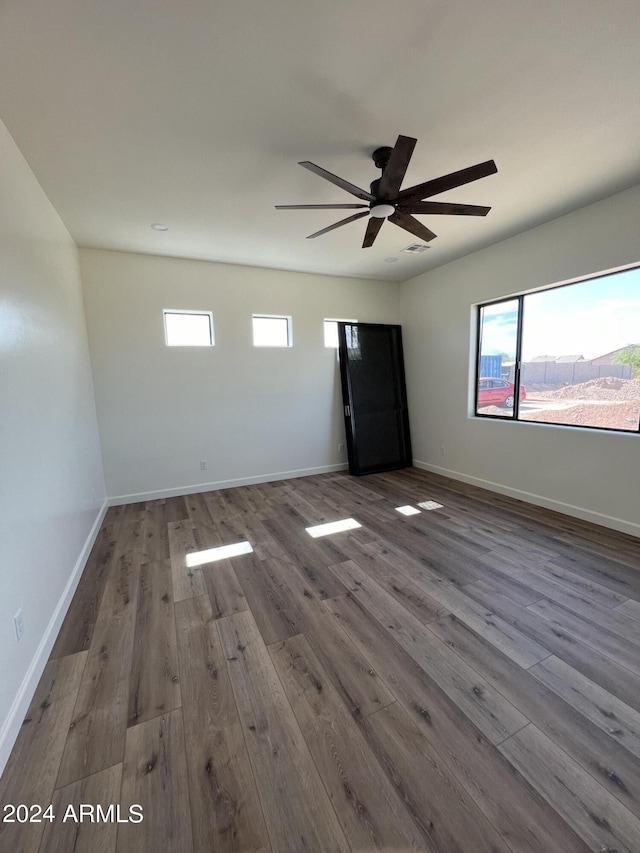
[387,201]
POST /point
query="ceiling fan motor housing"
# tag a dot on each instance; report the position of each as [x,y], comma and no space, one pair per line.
[380,208]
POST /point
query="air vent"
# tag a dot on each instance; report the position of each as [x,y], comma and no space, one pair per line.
[416,248]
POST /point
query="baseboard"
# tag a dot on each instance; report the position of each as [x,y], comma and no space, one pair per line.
[614,523]
[177,492]
[13,722]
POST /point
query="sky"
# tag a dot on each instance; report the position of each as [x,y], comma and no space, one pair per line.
[590,318]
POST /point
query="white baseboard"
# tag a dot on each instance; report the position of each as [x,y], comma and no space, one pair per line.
[13,721]
[177,492]
[614,523]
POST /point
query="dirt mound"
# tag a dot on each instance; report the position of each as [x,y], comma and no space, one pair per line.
[495,410]
[624,415]
[604,388]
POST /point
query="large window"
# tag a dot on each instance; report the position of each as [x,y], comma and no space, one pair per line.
[565,355]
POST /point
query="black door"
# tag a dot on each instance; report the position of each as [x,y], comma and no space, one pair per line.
[374,397]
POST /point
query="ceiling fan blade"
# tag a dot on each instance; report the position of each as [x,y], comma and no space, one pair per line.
[403,220]
[443,207]
[395,170]
[339,182]
[338,224]
[373,227]
[320,206]
[448,182]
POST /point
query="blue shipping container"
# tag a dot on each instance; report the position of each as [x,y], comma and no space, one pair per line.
[490,365]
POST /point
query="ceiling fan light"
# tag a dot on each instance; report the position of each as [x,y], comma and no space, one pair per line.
[382,210]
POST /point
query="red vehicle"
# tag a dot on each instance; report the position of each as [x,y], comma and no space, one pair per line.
[493,391]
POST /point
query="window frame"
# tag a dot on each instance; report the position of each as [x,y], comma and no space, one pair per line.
[517,370]
[192,312]
[289,321]
[514,417]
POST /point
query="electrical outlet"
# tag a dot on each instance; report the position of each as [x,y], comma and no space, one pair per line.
[203,465]
[341,448]
[442,451]
[18,623]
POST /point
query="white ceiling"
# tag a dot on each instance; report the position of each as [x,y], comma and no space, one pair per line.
[195,113]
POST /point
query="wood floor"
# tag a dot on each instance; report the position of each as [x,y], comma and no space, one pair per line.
[465,680]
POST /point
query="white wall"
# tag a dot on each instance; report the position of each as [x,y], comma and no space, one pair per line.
[586,473]
[51,484]
[252,414]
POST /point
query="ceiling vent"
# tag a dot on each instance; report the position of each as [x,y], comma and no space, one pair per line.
[416,248]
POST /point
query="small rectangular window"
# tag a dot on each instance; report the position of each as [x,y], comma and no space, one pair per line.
[331,332]
[271,331]
[188,328]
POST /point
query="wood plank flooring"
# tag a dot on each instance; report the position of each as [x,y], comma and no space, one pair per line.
[465,680]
